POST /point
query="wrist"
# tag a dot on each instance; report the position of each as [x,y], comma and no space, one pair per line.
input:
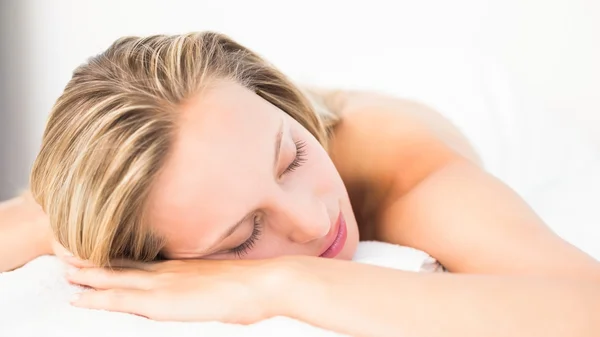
[290,284]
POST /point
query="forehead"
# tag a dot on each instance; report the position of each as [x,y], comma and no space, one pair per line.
[222,156]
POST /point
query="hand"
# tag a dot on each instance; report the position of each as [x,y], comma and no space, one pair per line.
[58,250]
[237,291]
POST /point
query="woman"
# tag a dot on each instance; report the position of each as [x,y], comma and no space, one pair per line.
[194,150]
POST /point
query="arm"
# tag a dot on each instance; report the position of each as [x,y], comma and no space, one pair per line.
[445,305]
[473,223]
[347,297]
[429,191]
[24,233]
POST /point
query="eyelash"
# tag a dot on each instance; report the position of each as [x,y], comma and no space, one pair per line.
[243,249]
[300,157]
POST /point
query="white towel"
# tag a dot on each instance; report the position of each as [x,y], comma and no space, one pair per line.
[34,302]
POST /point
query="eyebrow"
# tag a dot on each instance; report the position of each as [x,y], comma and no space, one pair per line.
[232,229]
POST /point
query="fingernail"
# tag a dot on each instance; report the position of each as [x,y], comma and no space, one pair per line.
[75,298]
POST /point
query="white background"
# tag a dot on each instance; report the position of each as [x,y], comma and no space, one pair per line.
[521,78]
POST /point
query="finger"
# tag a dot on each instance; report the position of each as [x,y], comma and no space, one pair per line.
[132,301]
[77,262]
[118,263]
[66,256]
[129,264]
[104,278]
[58,249]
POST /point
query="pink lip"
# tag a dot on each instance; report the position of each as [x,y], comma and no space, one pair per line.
[338,240]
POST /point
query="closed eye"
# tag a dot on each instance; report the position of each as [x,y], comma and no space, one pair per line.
[245,247]
[300,157]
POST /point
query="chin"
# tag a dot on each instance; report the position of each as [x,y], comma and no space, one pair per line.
[351,245]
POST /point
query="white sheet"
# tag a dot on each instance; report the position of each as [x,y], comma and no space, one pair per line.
[34,302]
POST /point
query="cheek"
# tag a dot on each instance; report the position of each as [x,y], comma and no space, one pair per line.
[323,173]
[320,172]
[184,239]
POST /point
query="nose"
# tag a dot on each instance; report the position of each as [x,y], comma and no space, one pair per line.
[303,219]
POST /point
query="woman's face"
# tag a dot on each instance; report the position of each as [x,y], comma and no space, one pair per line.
[245,180]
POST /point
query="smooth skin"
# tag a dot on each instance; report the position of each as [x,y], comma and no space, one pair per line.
[412,179]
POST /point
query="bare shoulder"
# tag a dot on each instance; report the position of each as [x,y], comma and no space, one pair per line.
[387,141]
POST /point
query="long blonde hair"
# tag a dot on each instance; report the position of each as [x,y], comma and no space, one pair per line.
[111,129]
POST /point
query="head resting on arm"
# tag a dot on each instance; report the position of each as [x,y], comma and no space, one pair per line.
[111,130]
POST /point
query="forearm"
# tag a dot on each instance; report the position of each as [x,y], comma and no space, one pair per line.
[363,300]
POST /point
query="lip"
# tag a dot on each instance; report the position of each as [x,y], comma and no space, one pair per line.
[337,239]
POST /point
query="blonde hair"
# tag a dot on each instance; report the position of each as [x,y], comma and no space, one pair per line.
[111,129]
